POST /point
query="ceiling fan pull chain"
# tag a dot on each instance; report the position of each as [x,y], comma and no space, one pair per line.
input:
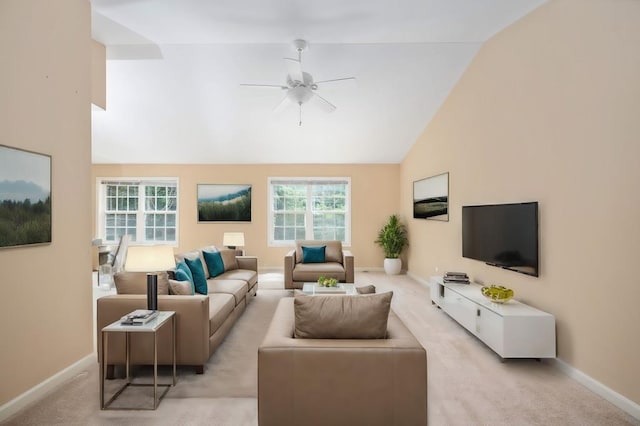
[300,114]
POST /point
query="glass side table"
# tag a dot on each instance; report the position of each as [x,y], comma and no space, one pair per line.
[163,318]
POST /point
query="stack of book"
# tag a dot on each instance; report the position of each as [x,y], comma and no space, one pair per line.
[138,317]
[456,277]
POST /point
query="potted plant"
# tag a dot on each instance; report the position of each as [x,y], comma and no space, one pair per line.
[393,239]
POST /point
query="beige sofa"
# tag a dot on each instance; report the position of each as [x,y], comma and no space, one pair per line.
[338,264]
[202,321]
[340,381]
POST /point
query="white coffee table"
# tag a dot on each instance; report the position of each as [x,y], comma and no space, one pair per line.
[343,289]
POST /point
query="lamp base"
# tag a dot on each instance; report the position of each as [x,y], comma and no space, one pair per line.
[236,251]
[152,292]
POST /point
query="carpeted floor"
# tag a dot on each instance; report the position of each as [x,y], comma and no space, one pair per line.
[468,384]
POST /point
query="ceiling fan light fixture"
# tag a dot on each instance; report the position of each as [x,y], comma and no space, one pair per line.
[300,94]
[300,85]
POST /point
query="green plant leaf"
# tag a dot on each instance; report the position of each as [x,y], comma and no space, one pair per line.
[392,237]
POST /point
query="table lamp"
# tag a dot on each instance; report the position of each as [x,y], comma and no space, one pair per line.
[150,259]
[233,240]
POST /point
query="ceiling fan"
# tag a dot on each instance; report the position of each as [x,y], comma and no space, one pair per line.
[300,86]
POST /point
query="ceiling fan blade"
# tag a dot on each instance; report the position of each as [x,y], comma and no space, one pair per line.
[335,80]
[294,68]
[324,104]
[284,103]
[277,86]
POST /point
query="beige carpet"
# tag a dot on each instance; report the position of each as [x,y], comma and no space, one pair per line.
[468,385]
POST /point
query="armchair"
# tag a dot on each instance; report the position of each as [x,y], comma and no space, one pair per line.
[338,264]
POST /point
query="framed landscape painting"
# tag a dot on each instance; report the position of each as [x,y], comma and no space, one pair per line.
[431,198]
[224,203]
[25,197]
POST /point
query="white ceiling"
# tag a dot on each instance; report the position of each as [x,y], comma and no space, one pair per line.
[174,69]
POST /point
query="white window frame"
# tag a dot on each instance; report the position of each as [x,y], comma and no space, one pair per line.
[309,214]
[140,225]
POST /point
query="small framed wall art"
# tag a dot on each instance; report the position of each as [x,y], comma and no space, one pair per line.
[25,197]
[431,198]
[224,203]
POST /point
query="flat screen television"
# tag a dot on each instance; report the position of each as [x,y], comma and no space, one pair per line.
[431,198]
[502,235]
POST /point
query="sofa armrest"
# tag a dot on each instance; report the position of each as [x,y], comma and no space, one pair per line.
[294,374]
[192,329]
[247,262]
[347,261]
[289,264]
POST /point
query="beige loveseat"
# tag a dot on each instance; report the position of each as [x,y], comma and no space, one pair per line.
[202,321]
[338,264]
[340,381]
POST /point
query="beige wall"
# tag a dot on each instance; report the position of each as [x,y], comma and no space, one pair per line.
[374,191]
[98,74]
[548,111]
[45,308]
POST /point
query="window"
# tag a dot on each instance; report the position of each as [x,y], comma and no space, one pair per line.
[146,210]
[309,209]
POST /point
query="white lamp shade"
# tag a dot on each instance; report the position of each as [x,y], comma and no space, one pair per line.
[149,259]
[233,239]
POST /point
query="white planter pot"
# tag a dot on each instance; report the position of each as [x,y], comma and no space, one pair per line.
[392,266]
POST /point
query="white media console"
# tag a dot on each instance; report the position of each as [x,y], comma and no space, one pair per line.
[512,330]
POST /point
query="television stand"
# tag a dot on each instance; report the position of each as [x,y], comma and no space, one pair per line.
[512,330]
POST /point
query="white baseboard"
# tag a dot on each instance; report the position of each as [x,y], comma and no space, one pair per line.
[271,269]
[37,392]
[598,388]
[417,278]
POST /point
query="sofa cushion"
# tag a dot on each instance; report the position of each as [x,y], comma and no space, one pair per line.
[136,282]
[213,259]
[251,277]
[332,253]
[229,259]
[237,288]
[220,307]
[308,272]
[313,254]
[195,254]
[199,277]
[342,317]
[180,288]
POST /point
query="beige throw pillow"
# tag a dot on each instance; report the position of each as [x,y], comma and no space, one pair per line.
[367,289]
[229,259]
[136,282]
[180,288]
[342,317]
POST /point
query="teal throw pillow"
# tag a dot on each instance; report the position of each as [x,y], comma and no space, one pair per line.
[214,262]
[313,254]
[199,279]
[183,273]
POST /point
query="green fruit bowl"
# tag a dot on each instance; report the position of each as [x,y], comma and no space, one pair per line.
[497,293]
[327,282]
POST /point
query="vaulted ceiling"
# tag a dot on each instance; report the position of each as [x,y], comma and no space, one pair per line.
[174,69]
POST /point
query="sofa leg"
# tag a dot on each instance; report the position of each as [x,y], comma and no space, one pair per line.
[199,369]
